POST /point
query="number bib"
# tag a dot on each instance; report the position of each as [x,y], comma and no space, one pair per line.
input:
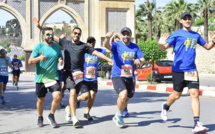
[16,67]
[126,71]
[191,76]
[90,72]
[3,69]
[77,76]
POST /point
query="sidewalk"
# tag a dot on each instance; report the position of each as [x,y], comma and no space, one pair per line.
[208,91]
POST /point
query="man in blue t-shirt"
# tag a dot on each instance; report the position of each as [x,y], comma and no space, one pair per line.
[5,62]
[184,42]
[16,70]
[125,55]
[46,56]
[90,84]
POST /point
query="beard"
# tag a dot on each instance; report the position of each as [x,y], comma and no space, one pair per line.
[49,40]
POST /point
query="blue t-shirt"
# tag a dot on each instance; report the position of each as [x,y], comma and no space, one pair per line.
[4,66]
[91,64]
[46,71]
[123,59]
[15,63]
[184,44]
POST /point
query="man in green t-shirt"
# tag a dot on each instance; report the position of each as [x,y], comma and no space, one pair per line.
[46,56]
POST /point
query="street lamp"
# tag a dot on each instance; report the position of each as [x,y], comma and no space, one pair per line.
[154,1]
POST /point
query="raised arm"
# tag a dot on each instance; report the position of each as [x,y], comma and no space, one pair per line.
[107,40]
[210,45]
[163,45]
[101,55]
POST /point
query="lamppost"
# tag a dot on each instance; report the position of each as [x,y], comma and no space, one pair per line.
[154,1]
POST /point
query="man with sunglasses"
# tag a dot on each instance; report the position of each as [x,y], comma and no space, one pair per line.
[125,55]
[46,56]
[184,42]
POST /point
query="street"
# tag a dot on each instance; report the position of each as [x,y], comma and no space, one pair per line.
[19,114]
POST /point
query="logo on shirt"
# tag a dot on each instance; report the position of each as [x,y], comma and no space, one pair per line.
[192,43]
[91,59]
[127,56]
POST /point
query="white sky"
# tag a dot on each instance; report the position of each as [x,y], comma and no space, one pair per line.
[61,16]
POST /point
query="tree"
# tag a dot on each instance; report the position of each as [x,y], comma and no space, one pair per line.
[141,28]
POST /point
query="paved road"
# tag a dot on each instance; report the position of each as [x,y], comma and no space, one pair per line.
[19,115]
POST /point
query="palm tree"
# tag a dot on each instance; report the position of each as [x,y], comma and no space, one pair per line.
[206,8]
[146,10]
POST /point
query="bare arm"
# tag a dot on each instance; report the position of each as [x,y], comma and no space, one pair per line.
[107,40]
[101,55]
[163,45]
[208,46]
[33,60]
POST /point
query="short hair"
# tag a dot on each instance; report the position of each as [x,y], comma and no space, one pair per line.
[91,39]
[15,55]
[76,28]
[46,29]
[115,36]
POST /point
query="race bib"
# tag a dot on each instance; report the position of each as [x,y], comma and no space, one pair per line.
[16,67]
[3,69]
[51,83]
[126,71]
[90,72]
[191,76]
[77,76]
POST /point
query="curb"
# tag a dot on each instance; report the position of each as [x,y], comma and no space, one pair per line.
[163,89]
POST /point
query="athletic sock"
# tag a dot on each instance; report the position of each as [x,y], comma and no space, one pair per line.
[196,119]
[166,107]
[120,112]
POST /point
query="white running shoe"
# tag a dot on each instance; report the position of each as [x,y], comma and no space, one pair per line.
[164,112]
[199,128]
[118,120]
[75,121]
[68,113]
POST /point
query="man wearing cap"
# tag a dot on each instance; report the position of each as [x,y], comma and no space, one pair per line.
[16,70]
[126,54]
[5,61]
[184,42]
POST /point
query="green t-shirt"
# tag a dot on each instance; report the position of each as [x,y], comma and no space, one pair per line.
[47,71]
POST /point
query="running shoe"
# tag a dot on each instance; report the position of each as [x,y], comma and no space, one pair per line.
[75,121]
[88,117]
[164,112]
[62,105]
[17,87]
[40,122]
[52,121]
[68,113]
[3,101]
[118,120]
[199,128]
[125,113]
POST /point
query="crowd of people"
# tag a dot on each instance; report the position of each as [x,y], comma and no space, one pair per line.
[72,64]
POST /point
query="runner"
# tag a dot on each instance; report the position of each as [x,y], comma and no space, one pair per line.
[90,83]
[16,70]
[5,62]
[126,54]
[184,42]
[46,56]
[74,62]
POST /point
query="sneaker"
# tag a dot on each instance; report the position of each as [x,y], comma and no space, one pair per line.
[75,122]
[199,128]
[87,116]
[3,101]
[78,104]
[164,112]
[68,113]
[118,120]
[125,113]
[62,105]
[17,87]
[51,120]
[40,122]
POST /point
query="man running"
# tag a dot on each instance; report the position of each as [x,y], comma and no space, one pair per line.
[5,62]
[16,70]
[46,56]
[125,54]
[184,42]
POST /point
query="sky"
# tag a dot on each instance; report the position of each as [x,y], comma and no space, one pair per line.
[61,16]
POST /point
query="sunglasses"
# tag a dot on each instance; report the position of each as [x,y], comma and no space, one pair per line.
[75,33]
[50,34]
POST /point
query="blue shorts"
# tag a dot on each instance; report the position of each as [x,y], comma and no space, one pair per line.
[4,79]
[60,73]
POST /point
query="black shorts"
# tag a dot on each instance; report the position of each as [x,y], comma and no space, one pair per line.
[70,82]
[16,73]
[89,85]
[179,83]
[120,84]
[60,73]
[41,90]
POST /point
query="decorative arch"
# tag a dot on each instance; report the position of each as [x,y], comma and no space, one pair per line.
[19,17]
